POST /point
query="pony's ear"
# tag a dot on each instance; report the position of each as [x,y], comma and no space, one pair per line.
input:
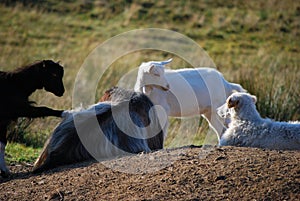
[232,102]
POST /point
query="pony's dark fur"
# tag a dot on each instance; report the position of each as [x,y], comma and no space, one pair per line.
[66,147]
[140,104]
[16,86]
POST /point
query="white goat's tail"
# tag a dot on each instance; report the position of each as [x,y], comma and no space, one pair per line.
[237,88]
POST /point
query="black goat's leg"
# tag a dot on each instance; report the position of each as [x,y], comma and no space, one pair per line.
[3,129]
[42,112]
[31,112]
[4,170]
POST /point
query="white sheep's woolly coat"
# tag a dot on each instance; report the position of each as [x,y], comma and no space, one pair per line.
[248,129]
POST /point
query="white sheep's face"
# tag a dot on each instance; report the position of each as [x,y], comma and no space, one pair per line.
[224,112]
[234,104]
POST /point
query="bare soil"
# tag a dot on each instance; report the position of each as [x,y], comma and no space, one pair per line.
[187,173]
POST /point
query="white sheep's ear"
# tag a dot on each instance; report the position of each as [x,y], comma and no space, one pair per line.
[154,71]
[232,103]
[254,98]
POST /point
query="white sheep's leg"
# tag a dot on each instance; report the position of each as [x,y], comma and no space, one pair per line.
[3,168]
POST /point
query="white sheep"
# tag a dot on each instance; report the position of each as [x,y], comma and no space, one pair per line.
[186,92]
[248,129]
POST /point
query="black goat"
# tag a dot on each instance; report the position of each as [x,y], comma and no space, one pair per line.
[15,88]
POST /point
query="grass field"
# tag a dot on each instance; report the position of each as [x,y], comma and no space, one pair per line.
[255,43]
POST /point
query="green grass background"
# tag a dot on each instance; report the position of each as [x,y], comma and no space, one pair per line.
[254,43]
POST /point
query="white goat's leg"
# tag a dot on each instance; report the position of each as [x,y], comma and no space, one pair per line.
[218,125]
[3,168]
[215,123]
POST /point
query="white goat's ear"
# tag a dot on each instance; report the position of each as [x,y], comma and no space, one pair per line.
[166,62]
[162,63]
[147,69]
[154,71]
[254,99]
[147,89]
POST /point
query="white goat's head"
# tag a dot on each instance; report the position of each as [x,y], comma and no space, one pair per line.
[151,74]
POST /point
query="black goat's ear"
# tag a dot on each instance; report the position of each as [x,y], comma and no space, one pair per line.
[58,62]
[44,63]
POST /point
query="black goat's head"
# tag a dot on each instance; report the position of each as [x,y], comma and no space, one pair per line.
[52,76]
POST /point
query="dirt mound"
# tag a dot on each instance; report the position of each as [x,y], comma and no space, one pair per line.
[188,173]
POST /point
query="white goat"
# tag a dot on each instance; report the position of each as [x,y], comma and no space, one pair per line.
[248,129]
[186,92]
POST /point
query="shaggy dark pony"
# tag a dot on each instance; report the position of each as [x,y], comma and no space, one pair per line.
[103,131]
[142,106]
[17,86]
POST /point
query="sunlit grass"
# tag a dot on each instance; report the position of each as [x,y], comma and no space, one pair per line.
[20,153]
